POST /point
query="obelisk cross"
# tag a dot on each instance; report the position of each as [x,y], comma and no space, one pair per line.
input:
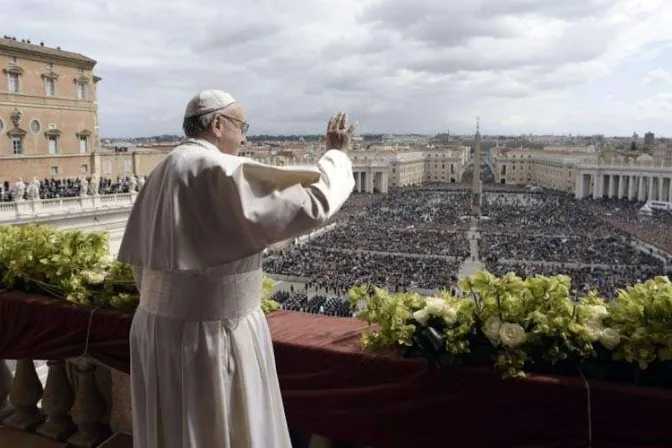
[477,187]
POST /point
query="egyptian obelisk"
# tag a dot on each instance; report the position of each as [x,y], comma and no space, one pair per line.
[477,187]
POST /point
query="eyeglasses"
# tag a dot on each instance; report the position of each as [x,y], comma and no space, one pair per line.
[244,126]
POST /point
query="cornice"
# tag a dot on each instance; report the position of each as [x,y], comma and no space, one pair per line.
[49,75]
[13,69]
[16,132]
[81,79]
[41,55]
[52,133]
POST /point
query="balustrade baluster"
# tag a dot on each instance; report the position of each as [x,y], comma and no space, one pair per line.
[57,400]
[24,395]
[5,386]
[88,410]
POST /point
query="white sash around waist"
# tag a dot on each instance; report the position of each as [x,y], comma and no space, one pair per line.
[194,296]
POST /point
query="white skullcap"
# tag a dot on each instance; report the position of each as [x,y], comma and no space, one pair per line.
[208,101]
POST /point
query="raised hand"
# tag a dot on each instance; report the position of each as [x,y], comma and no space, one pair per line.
[338,137]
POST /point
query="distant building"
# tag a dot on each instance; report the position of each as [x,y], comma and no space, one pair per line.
[614,174]
[48,112]
[649,140]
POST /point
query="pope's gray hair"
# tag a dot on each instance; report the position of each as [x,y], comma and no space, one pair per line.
[196,126]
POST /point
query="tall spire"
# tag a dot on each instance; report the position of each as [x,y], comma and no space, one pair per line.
[477,187]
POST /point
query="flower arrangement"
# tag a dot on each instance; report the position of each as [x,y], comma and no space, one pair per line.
[522,325]
[75,266]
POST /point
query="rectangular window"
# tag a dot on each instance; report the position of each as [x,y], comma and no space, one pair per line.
[83,145]
[107,167]
[13,80]
[12,59]
[50,66]
[17,145]
[128,166]
[53,144]
[50,87]
[83,169]
[54,171]
[81,91]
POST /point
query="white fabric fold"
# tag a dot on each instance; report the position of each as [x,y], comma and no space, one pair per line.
[202,367]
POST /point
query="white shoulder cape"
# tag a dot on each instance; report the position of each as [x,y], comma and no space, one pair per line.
[201,208]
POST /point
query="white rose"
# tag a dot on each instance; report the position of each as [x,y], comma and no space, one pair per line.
[491,329]
[610,338]
[106,260]
[421,316]
[511,335]
[435,306]
[450,315]
[597,312]
[594,330]
[93,277]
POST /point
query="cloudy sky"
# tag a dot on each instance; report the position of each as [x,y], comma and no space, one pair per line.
[425,66]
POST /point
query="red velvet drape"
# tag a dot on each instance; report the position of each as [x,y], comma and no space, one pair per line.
[330,387]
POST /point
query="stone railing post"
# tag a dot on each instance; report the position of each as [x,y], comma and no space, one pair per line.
[5,386]
[88,410]
[24,395]
[57,400]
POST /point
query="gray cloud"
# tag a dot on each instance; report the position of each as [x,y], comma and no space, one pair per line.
[397,66]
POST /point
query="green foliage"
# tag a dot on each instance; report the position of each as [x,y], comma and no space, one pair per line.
[73,265]
[642,314]
[520,324]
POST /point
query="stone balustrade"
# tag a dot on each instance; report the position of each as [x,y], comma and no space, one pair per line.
[83,403]
[27,210]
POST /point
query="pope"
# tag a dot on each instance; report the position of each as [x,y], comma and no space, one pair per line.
[202,365]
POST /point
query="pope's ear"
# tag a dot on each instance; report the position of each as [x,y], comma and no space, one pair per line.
[216,126]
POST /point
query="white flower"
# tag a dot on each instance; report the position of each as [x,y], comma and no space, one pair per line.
[105,261]
[597,312]
[594,330]
[93,277]
[491,329]
[610,338]
[450,315]
[421,316]
[435,306]
[511,335]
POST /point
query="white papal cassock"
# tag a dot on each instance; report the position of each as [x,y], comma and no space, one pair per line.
[202,366]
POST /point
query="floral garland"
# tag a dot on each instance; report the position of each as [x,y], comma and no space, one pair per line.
[527,325]
[75,266]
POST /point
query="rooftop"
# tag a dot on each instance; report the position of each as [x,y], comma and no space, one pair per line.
[25,46]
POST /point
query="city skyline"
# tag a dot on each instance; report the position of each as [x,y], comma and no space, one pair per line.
[580,67]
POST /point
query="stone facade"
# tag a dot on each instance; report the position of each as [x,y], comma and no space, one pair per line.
[636,176]
[404,168]
[48,111]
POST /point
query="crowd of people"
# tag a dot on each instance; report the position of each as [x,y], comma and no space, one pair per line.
[417,237]
[610,250]
[391,240]
[336,270]
[625,215]
[67,188]
[540,213]
[317,304]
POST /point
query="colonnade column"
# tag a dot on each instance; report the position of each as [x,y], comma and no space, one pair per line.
[612,185]
[621,186]
[631,187]
[578,188]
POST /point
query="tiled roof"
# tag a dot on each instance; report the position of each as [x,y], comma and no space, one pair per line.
[46,51]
